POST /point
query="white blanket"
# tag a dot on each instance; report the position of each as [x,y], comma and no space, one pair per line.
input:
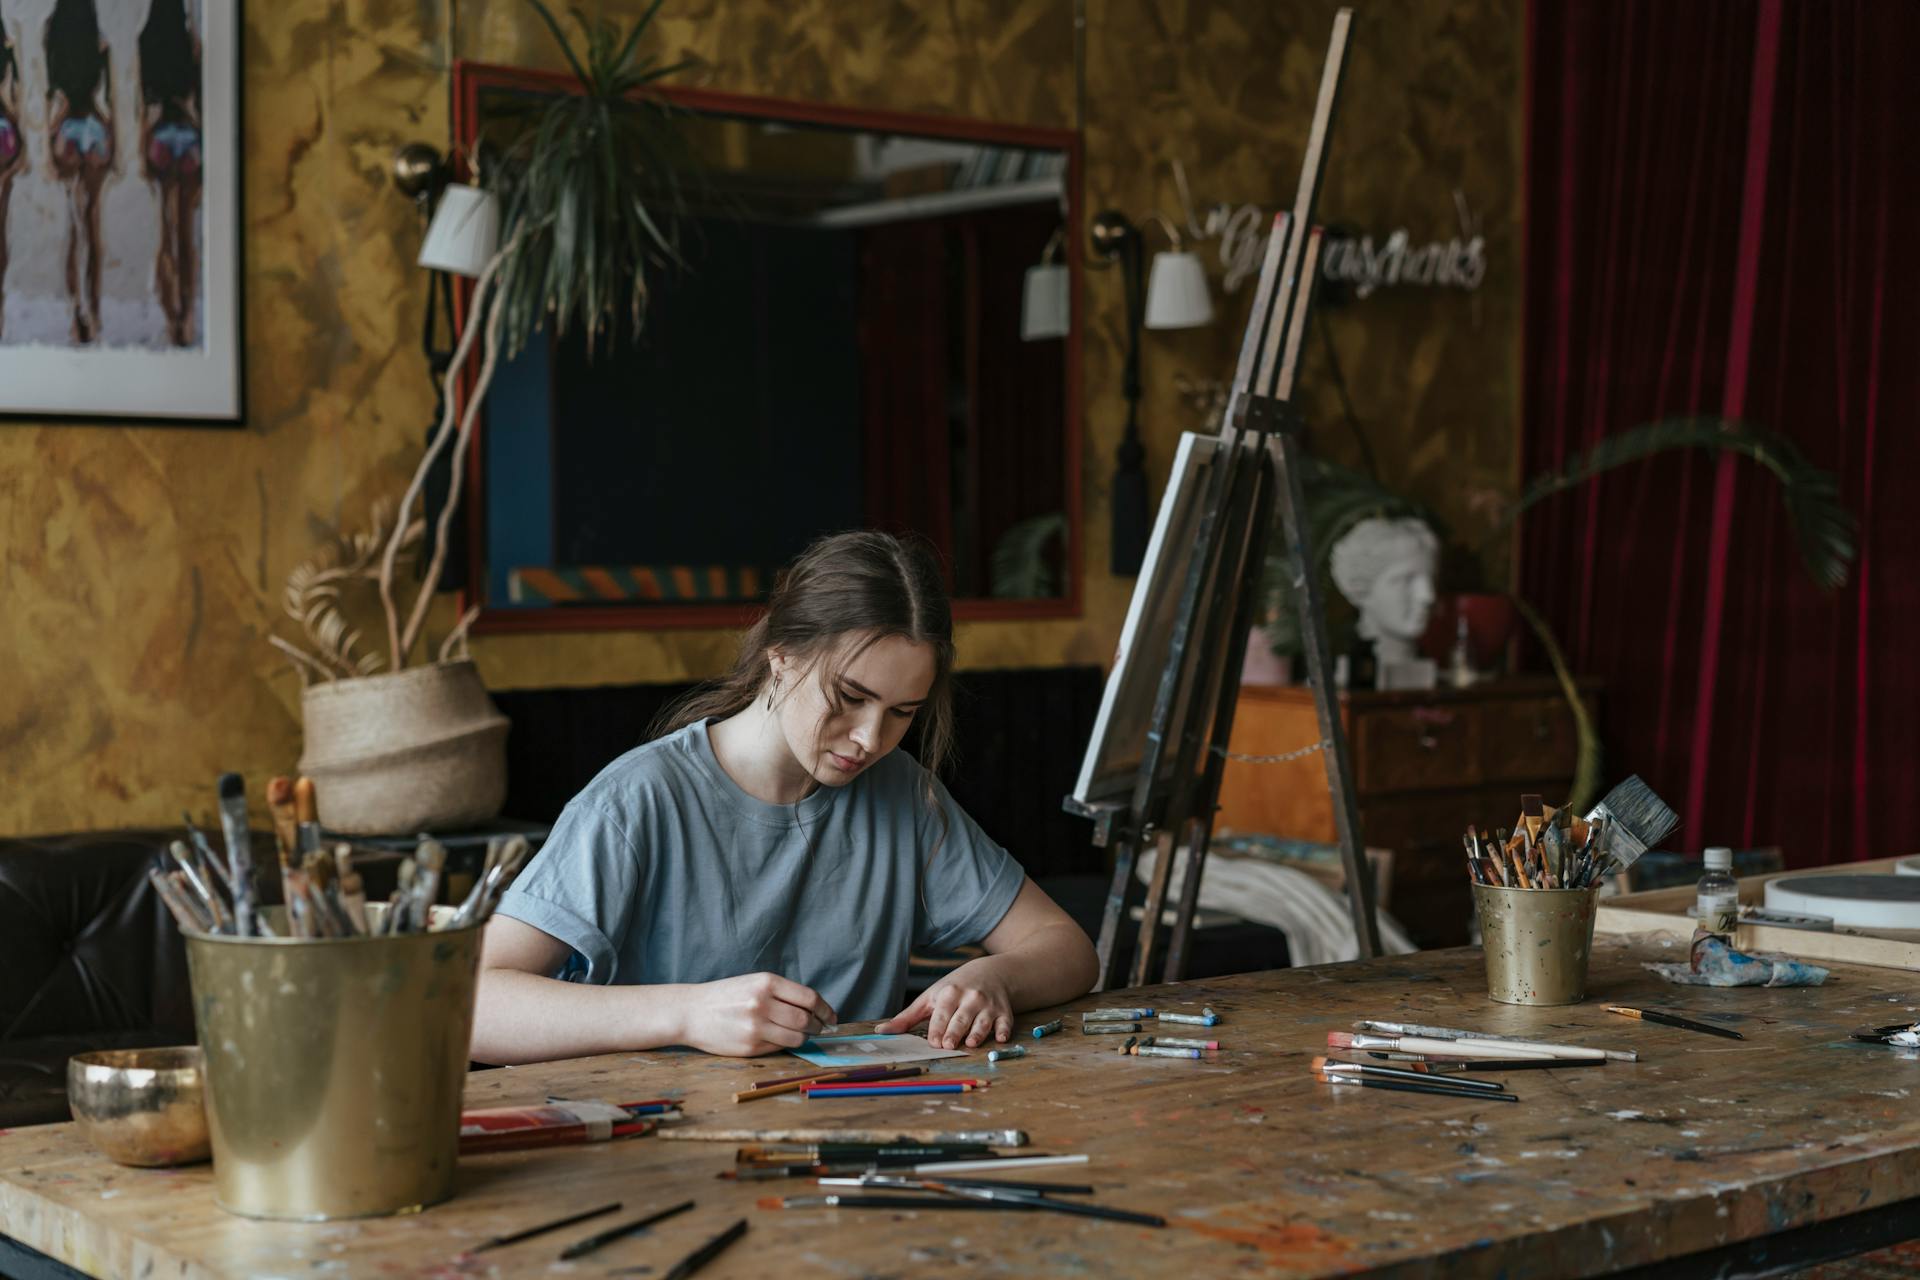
[1315,919]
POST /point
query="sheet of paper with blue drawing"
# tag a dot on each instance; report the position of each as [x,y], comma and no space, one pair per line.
[870,1051]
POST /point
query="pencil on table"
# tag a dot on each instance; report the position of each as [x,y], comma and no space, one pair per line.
[1674,1020]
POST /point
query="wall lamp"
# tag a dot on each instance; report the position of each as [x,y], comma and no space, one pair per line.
[1175,296]
[463,228]
[1046,304]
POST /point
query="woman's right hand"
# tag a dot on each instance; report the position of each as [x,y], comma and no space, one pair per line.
[753,1014]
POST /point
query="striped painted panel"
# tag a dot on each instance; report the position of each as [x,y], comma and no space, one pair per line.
[539,586]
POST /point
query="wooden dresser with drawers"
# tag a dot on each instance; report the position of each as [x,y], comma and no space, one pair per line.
[1425,764]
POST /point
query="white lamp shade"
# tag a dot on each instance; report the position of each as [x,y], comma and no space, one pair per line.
[1045,304]
[464,232]
[1177,296]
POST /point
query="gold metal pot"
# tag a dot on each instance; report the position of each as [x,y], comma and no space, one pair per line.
[1537,942]
[141,1107]
[334,1068]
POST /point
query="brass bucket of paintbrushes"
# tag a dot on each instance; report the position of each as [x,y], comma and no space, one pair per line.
[1537,942]
[334,1067]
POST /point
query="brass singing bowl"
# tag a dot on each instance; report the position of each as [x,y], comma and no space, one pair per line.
[143,1107]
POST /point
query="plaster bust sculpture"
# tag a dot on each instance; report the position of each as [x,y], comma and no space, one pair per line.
[1385,568]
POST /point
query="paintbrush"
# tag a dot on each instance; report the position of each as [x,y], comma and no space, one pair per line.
[402,899]
[985,1137]
[212,867]
[769,1171]
[871,1179]
[239,841]
[1404,1086]
[899,1202]
[429,860]
[1422,1062]
[1637,820]
[286,827]
[995,1195]
[1460,1048]
[212,906]
[1674,1020]
[177,903]
[1531,1048]
[504,859]
[306,812]
[831,1152]
[1335,1066]
[352,889]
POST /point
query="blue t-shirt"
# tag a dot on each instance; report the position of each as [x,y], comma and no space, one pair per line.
[664,870]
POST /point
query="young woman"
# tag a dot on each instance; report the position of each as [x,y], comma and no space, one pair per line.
[13,150]
[761,872]
[80,144]
[170,151]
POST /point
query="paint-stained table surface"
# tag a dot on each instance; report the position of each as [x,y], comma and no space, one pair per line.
[1259,1169]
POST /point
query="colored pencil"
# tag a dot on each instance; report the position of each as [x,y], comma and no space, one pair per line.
[778,1087]
[1674,1020]
[830,1073]
[892,1084]
[907,1091]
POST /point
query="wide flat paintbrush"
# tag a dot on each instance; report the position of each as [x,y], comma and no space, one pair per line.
[1638,820]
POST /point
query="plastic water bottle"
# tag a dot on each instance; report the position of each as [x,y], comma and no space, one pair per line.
[1716,904]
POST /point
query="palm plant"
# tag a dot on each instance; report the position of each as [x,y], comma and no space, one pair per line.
[589,188]
[1338,499]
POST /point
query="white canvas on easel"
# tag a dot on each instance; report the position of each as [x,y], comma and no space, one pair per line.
[1146,638]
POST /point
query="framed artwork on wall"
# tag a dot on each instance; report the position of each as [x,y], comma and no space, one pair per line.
[120,234]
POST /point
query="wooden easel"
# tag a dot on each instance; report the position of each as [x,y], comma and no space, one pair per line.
[1257,469]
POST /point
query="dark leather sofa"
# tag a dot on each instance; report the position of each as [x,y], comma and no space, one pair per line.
[91,959]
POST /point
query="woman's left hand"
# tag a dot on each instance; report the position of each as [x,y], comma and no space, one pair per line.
[961,1010]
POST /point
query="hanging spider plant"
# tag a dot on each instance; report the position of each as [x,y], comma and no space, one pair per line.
[589,183]
[590,191]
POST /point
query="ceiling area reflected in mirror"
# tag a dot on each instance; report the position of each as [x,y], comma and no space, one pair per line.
[872,325]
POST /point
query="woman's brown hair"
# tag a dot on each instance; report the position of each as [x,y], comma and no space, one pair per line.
[862,584]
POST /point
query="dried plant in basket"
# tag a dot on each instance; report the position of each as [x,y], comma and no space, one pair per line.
[320,597]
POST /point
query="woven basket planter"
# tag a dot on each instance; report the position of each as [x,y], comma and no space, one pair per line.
[422,749]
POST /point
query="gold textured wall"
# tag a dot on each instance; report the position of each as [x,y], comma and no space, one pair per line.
[142,566]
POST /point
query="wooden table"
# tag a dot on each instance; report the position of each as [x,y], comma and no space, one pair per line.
[1260,1170]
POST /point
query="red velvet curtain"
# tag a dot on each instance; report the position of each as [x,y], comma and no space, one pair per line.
[905,381]
[1720,203]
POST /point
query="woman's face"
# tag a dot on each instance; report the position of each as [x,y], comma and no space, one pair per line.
[879,693]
